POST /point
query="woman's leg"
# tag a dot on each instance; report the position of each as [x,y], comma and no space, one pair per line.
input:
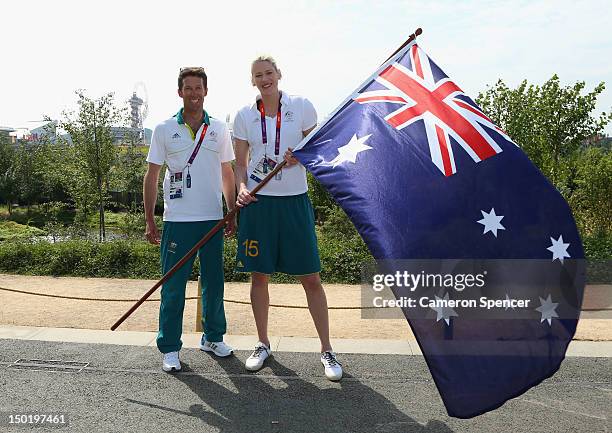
[317,304]
[260,303]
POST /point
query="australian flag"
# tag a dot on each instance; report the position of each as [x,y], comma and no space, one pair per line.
[424,174]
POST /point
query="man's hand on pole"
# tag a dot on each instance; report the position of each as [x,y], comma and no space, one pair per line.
[230,227]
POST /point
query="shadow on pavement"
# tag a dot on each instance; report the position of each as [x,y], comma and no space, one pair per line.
[287,403]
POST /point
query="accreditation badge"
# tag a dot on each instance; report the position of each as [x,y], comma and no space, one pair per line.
[176,185]
[263,167]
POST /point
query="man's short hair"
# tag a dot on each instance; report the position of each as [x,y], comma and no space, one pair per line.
[195,71]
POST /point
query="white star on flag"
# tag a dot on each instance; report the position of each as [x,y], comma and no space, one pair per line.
[444,312]
[349,151]
[559,249]
[509,303]
[547,308]
[491,222]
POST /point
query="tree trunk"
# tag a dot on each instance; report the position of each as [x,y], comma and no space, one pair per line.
[101,209]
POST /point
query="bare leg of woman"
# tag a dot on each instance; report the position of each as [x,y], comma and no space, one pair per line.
[260,303]
[317,304]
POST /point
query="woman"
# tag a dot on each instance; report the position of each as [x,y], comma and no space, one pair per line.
[276,231]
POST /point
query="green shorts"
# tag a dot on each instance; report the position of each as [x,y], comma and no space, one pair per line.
[276,234]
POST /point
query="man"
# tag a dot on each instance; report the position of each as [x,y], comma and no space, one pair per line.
[197,151]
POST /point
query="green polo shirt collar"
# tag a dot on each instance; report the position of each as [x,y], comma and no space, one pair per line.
[181,121]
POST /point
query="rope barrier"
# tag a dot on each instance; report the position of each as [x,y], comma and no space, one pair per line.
[190,298]
[187,298]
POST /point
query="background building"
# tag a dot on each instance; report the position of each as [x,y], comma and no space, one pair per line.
[6,132]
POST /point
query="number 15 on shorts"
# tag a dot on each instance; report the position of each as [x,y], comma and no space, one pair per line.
[251,248]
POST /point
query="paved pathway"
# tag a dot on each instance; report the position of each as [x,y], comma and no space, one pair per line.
[123,389]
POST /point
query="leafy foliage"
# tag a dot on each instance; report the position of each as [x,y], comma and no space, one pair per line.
[93,152]
[592,197]
[549,122]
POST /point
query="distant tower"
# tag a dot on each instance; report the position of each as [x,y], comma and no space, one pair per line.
[135,114]
[139,108]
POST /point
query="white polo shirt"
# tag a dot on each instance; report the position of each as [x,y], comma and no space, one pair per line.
[297,115]
[173,143]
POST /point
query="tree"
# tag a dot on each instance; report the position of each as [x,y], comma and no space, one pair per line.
[9,193]
[128,172]
[549,122]
[29,183]
[93,149]
[52,162]
[592,201]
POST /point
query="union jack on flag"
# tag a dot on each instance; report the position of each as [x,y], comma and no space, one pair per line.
[415,88]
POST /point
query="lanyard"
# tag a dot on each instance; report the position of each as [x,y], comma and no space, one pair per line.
[264,134]
[194,154]
[197,148]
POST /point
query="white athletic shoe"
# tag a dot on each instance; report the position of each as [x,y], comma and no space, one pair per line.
[257,358]
[171,362]
[333,369]
[219,348]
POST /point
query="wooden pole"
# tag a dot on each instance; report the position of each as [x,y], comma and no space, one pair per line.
[198,319]
[197,246]
[411,38]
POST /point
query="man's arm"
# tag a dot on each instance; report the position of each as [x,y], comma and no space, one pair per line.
[149,192]
[229,192]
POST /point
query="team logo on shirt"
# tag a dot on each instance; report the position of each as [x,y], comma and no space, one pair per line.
[289,116]
[213,136]
[176,136]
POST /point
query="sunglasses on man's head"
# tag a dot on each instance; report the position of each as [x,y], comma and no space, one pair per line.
[194,68]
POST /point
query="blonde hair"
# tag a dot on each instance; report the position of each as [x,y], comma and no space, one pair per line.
[265,58]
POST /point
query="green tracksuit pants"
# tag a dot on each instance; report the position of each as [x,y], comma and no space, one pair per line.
[177,239]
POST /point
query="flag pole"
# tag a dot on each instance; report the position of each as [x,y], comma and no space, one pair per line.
[411,38]
[408,41]
[197,246]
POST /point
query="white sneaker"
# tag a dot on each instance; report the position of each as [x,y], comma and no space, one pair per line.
[333,369]
[171,362]
[219,348]
[257,358]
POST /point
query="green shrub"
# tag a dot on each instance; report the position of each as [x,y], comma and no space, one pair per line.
[81,258]
[598,247]
[341,259]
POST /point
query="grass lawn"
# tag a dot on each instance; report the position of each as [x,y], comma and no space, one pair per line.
[10,230]
[37,218]
[111,219]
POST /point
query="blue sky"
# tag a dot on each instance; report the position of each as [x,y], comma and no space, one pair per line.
[324,48]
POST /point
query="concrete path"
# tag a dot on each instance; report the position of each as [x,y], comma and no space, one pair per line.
[122,389]
[594,349]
